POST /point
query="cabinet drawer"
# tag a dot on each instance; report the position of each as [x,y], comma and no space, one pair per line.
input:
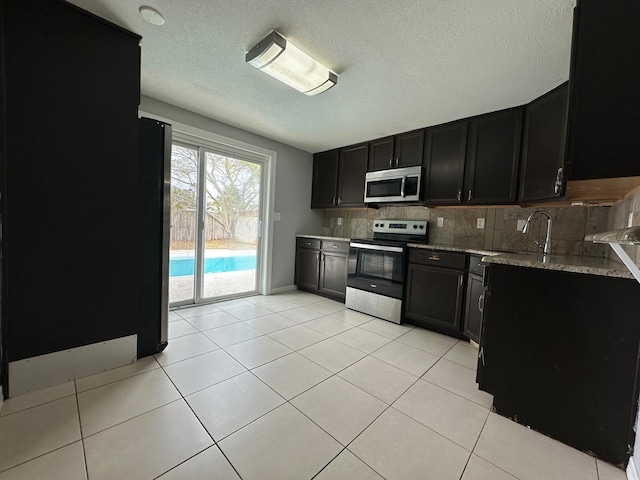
[312,243]
[438,259]
[338,247]
[476,265]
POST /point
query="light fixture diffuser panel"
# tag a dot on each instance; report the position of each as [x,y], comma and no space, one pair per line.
[281,59]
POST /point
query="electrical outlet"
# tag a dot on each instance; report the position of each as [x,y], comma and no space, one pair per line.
[520,225]
[440,222]
[339,221]
[630,224]
[480,223]
[277,216]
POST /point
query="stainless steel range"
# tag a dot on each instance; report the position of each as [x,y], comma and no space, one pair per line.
[375,282]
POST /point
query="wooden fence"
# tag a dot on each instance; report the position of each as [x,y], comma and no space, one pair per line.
[183,228]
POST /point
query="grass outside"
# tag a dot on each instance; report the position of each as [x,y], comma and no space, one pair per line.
[227,244]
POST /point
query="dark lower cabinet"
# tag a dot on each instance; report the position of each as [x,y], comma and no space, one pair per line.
[333,274]
[435,294]
[321,267]
[474,307]
[559,352]
[543,147]
[307,264]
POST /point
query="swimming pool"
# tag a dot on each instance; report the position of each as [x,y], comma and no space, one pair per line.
[182,266]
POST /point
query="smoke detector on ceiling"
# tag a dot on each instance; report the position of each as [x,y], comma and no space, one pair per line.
[151,15]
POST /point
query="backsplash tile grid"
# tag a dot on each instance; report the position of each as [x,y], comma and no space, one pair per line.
[570,225]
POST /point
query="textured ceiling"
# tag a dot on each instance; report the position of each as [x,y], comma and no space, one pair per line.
[401,64]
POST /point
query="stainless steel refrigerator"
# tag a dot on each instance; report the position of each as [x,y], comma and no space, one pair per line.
[154,204]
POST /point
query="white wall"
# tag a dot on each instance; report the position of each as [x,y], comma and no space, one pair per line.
[294,169]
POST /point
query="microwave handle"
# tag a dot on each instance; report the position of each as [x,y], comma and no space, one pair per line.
[404,180]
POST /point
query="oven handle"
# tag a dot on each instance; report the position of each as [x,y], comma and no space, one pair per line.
[382,248]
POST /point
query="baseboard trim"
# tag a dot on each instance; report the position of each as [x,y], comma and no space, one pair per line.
[35,373]
[284,289]
[632,471]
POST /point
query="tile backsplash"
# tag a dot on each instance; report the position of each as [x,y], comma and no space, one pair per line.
[459,228]
[619,218]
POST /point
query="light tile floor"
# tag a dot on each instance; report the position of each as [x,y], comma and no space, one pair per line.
[292,386]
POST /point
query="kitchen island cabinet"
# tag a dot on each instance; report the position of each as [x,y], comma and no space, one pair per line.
[559,352]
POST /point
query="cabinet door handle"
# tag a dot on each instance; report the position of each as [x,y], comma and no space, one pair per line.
[459,195]
[434,257]
[469,196]
[481,303]
[397,161]
[308,244]
[557,187]
[373,285]
[334,246]
[461,279]
[390,162]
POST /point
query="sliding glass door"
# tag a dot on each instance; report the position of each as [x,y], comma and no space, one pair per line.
[216,223]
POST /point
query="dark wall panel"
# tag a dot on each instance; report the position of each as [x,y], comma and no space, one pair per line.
[72,87]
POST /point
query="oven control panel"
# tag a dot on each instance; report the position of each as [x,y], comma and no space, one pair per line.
[406,227]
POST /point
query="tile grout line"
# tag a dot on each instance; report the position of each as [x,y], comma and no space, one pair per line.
[215,444]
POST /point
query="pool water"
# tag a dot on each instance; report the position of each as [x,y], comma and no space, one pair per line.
[182,266]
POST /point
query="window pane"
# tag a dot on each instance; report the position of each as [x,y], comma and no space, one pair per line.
[184,179]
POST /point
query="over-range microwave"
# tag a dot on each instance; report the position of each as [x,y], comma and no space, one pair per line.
[397,185]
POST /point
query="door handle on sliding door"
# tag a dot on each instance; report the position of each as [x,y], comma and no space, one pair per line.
[260,228]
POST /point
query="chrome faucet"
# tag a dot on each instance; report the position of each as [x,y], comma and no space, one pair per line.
[546,248]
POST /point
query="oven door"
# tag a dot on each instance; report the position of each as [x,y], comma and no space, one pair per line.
[376,268]
[375,279]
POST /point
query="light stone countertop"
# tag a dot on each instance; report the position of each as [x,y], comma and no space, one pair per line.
[453,248]
[562,263]
[320,237]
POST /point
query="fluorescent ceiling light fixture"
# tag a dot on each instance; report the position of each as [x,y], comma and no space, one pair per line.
[286,62]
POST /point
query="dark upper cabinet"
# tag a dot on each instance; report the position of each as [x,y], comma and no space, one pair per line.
[409,148]
[604,118]
[543,147]
[404,150]
[352,170]
[444,160]
[493,158]
[381,154]
[324,190]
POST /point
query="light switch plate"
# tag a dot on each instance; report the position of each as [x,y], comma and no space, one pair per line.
[520,225]
[277,216]
[339,221]
[440,222]
[480,223]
